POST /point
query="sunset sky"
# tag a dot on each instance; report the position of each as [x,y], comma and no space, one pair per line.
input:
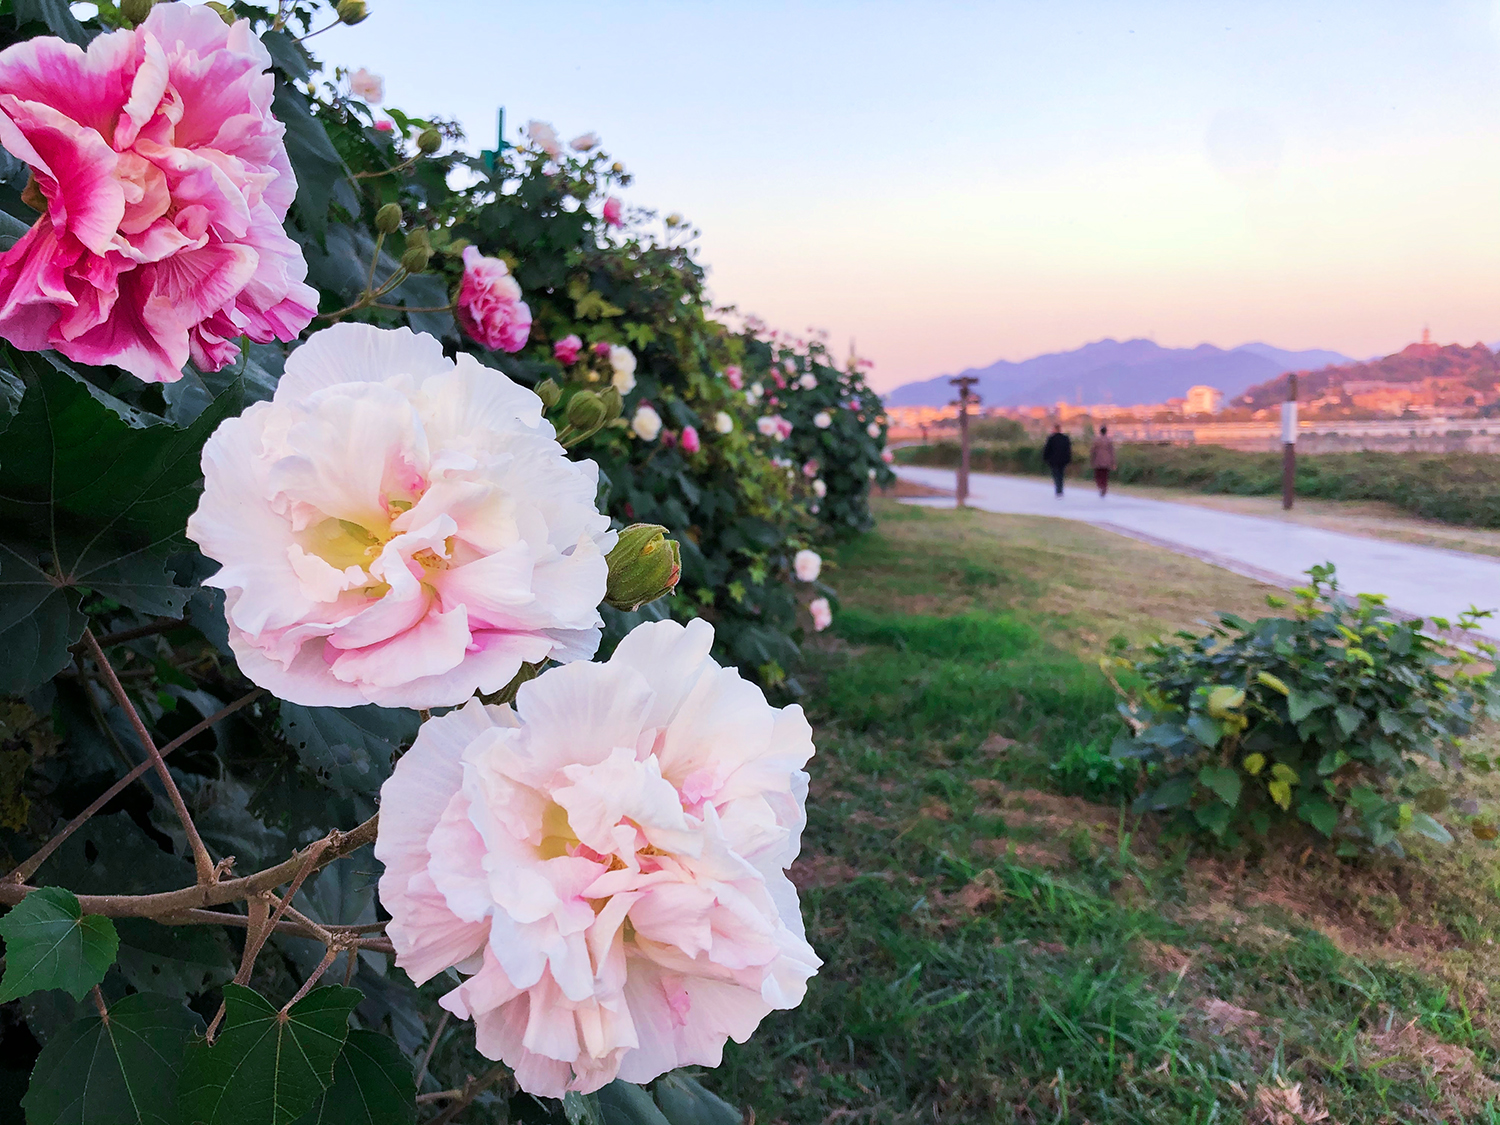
[951,184]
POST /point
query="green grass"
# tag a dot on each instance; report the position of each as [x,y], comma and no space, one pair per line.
[998,951]
[1456,488]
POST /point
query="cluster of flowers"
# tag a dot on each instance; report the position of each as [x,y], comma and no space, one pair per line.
[603,863]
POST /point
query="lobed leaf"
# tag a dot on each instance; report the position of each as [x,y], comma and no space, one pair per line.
[51,943]
[372,1085]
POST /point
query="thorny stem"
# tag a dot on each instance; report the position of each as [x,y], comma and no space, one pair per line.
[171,903]
[201,860]
[437,1033]
[28,868]
[472,1089]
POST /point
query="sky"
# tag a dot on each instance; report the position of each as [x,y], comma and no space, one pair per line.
[947,184]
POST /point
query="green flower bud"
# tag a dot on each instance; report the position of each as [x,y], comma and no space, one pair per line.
[136,11]
[416,258]
[429,140]
[586,411]
[549,392]
[645,565]
[224,12]
[351,11]
[614,405]
[388,218]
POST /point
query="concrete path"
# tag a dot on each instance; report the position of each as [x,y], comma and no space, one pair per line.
[1423,581]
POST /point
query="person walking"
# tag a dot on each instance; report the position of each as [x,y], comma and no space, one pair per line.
[1102,458]
[1058,454]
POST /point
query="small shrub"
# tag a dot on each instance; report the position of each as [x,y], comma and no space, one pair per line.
[1329,718]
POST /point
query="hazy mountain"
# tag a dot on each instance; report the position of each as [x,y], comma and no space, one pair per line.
[1123,372]
[1476,368]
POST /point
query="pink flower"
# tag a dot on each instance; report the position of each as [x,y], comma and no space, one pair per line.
[887,456]
[668,438]
[779,379]
[166,183]
[398,529]
[605,863]
[807,565]
[566,350]
[602,349]
[614,212]
[822,615]
[367,85]
[810,469]
[490,308]
[690,443]
[734,376]
[384,126]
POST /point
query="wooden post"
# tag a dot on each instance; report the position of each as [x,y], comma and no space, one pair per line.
[1289,444]
[965,396]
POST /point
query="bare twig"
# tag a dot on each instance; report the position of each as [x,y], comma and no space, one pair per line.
[329,956]
[432,1043]
[171,903]
[99,1004]
[257,930]
[472,1089]
[408,309]
[161,625]
[439,1096]
[289,926]
[201,860]
[28,868]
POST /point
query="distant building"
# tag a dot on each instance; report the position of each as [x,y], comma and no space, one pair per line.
[1203,400]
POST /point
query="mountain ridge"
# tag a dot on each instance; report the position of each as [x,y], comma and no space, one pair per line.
[1119,371]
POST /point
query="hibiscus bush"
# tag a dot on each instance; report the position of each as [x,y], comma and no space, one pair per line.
[335,462]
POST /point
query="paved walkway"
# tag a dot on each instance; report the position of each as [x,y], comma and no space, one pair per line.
[1423,581]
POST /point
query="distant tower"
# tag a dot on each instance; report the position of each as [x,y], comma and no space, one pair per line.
[1426,336]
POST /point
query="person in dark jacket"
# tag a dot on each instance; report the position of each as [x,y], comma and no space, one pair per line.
[1058,454]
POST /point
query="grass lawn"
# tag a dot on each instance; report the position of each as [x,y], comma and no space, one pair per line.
[1003,943]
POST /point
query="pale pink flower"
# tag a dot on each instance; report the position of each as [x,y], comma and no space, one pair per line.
[607,861]
[822,615]
[544,136]
[490,308]
[887,456]
[367,85]
[622,365]
[822,419]
[820,488]
[395,528]
[734,376]
[690,442]
[614,212]
[873,429]
[584,143]
[810,469]
[808,565]
[646,424]
[723,423]
[166,183]
[808,382]
[566,350]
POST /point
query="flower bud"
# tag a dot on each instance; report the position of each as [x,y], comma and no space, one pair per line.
[587,412]
[135,11]
[644,566]
[614,405]
[416,258]
[351,11]
[429,140]
[388,218]
[549,392]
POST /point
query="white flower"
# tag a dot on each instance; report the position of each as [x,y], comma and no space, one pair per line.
[808,382]
[822,419]
[544,136]
[367,86]
[755,391]
[585,143]
[397,528]
[622,363]
[820,489]
[822,616]
[873,429]
[808,565]
[646,423]
[766,424]
[872,474]
[723,423]
[606,863]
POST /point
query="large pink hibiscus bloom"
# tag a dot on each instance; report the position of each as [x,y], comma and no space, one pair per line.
[165,182]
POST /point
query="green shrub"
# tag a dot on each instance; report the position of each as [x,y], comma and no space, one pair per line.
[1330,718]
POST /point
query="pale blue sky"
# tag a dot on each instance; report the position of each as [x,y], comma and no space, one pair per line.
[954,183]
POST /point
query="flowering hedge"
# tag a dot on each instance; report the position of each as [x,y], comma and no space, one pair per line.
[321,440]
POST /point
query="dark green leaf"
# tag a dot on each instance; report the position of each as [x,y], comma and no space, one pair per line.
[1214,817]
[1224,781]
[314,159]
[1320,814]
[684,1101]
[58,17]
[87,499]
[122,1071]
[1173,792]
[176,961]
[51,943]
[350,748]
[263,1070]
[372,1085]
[582,1109]
[625,1103]
[1301,704]
[1349,718]
[1425,825]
